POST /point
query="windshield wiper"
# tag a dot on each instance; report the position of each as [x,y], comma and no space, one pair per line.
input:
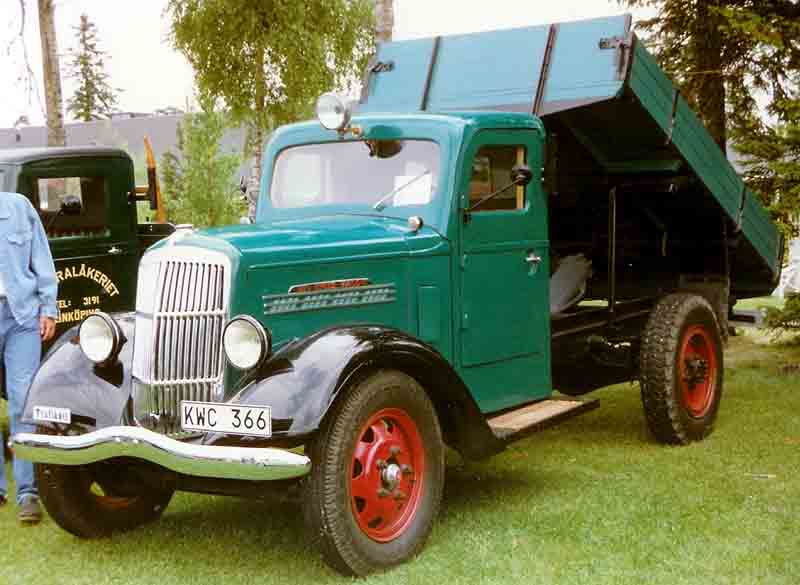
[381,203]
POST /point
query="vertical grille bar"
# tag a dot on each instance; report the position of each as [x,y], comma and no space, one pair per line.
[178,349]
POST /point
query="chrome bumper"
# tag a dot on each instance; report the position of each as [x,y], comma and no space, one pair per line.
[187,458]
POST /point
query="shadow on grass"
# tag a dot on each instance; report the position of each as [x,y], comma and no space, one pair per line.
[209,539]
[201,538]
[470,487]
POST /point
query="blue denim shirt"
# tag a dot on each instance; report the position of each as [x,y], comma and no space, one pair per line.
[25,261]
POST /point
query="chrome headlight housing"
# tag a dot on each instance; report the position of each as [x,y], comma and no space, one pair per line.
[101,338]
[246,343]
[332,112]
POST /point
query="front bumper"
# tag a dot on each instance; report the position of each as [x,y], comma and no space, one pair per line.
[199,460]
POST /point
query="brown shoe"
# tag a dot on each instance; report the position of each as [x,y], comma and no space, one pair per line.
[3,500]
[29,510]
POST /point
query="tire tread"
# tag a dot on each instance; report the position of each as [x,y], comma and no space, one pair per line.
[325,486]
[660,344]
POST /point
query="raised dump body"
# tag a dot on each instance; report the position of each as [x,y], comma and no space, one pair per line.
[614,120]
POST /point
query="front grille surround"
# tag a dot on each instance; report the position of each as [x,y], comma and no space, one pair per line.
[182,306]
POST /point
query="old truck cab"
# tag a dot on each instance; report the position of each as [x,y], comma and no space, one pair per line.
[86,199]
[425,272]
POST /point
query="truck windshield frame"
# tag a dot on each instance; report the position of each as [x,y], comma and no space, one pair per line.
[345,176]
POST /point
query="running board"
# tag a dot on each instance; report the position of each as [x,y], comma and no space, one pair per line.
[518,423]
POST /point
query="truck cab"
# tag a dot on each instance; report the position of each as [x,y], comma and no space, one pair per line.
[454,264]
[470,280]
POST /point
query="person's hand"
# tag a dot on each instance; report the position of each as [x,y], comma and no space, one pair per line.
[47,327]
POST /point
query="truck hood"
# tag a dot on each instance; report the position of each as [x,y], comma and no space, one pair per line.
[311,242]
[268,261]
[321,238]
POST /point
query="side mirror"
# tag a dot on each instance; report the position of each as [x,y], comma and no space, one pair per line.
[71,205]
[521,174]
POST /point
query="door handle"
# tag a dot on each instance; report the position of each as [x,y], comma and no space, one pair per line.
[533,259]
[115,250]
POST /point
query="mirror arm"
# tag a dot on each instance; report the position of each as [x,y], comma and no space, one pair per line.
[480,202]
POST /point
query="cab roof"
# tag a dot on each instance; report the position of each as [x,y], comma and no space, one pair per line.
[26,155]
[442,122]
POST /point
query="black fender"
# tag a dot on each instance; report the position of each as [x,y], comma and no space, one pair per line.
[96,396]
[302,380]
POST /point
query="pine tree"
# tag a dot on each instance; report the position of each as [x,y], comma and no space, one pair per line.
[725,54]
[738,64]
[770,144]
[94,98]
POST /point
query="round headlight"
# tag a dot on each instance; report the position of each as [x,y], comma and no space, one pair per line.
[100,338]
[246,342]
[332,112]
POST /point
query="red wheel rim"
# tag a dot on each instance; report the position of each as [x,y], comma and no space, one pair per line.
[387,474]
[697,365]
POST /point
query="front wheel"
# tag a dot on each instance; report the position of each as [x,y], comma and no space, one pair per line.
[95,500]
[377,475]
[681,369]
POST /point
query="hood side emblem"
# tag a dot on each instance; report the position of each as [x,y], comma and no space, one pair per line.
[328,285]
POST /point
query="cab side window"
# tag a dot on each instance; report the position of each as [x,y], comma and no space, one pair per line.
[72,206]
[491,170]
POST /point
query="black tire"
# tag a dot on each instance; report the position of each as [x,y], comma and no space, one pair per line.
[387,410]
[681,369]
[85,505]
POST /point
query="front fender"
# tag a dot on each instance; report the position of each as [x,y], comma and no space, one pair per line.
[96,396]
[302,380]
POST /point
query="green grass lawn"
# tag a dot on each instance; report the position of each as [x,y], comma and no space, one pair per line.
[595,500]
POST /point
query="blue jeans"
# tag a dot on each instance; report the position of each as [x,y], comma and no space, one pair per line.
[20,349]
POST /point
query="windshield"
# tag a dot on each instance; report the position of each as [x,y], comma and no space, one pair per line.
[364,174]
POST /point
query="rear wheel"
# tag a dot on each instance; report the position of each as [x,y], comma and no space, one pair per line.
[681,369]
[377,475]
[92,501]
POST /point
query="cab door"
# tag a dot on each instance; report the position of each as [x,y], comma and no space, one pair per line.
[505,347]
[94,245]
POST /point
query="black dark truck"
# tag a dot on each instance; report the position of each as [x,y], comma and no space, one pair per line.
[86,198]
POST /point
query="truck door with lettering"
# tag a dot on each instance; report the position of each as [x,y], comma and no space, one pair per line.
[84,208]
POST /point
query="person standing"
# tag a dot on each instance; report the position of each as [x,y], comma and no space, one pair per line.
[28,312]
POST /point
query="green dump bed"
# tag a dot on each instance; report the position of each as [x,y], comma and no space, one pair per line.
[595,78]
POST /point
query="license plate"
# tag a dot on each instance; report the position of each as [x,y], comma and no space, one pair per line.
[226,418]
[52,414]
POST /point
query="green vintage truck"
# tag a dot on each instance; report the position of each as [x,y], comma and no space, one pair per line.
[508,214]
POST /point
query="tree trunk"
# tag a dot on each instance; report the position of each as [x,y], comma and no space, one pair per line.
[384,20]
[709,79]
[254,188]
[52,75]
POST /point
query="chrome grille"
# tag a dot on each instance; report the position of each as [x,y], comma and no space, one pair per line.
[181,309]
